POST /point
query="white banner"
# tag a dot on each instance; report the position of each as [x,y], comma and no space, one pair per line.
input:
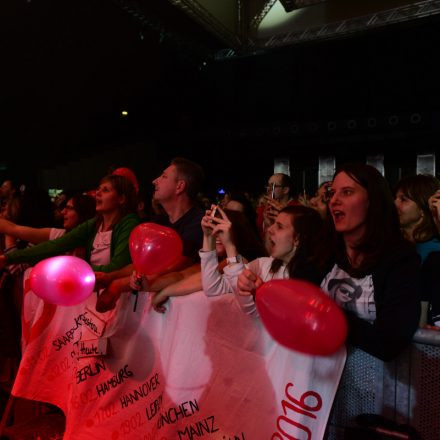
[201,370]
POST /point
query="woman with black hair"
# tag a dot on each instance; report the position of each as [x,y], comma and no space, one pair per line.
[371,252]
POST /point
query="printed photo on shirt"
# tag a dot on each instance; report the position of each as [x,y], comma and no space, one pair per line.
[353,294]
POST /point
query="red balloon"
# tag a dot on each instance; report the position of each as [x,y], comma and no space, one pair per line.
[128,174]
[154,248]
[63,280]
[300,316]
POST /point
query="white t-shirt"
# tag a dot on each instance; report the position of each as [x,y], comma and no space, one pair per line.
[100,254]
[353,294]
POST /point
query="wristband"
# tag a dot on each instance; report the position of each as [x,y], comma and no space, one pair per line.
[233,260]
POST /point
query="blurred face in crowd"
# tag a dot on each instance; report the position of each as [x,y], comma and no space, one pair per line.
[70,216]
[6,190]
[275,182]
[233,205]
[410,215]
[225,200]
[107,198]
[282,238]
[320,201]
[165,185]
[349,207]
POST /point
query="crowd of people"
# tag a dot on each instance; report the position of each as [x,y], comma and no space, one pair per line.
[375,252]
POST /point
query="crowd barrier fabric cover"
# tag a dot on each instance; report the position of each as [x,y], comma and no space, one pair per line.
[203,369]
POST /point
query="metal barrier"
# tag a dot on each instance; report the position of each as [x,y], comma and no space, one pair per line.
[406,390]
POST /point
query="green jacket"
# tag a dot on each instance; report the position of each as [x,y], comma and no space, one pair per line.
[83,236]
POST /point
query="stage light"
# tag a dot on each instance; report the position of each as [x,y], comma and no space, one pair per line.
[331,125]
[415,118]
[371,122]
[294,128]
[124,113]
[351,124]
[393,120]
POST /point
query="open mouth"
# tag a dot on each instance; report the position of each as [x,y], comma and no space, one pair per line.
[338,216]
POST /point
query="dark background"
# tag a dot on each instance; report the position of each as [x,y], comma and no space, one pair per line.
[68,69]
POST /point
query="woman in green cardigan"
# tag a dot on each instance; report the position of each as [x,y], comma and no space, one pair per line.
[105,237]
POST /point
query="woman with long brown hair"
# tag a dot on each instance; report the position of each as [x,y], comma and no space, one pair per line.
[297,248]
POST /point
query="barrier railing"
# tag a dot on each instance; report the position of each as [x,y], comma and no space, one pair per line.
[406,391]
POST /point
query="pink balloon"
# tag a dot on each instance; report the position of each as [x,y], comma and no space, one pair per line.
[153,248]
[63,280]
[299,315]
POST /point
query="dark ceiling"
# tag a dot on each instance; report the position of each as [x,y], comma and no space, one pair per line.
[70,67]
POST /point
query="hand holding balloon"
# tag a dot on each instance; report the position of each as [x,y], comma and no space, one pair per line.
[138,282]
[301,316]
[63,280]
[248,282]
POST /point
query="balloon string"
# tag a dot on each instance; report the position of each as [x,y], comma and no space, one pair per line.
[136,294]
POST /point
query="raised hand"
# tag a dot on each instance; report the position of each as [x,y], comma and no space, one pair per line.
[207,226]
[271,210]
[206,223]
[222,228]
[275,205]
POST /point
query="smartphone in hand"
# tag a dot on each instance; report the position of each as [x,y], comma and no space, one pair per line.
[215,212]
[272,194]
